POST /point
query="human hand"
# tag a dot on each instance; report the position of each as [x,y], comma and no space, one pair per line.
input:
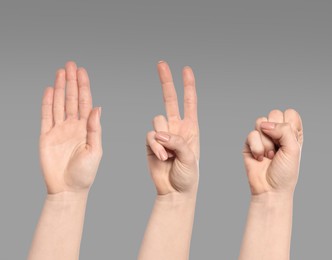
[173,145]
[272,153]
[70,139]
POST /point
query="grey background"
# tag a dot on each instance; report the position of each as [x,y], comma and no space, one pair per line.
[249,57]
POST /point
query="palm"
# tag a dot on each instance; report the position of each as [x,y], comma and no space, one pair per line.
[65,156]
[173,175]
[70,148]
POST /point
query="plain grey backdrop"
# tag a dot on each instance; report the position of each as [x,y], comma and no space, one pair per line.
[248,56]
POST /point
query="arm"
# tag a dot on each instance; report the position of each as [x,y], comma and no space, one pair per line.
[70,152]
[272,159]
[173,156]
[168,233]
[58,233]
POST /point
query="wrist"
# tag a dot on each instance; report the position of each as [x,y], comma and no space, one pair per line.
[68,196]
[176,200]
[177,197]
[67,203]
[271,200]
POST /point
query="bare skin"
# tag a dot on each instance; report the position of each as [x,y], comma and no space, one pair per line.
[173,159]
[70,153]
[272,159]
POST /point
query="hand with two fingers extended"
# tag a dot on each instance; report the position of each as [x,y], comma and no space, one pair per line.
[173,145]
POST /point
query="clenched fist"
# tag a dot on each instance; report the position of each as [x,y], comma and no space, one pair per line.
[272,153]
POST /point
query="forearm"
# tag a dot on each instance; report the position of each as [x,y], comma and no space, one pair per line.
[267,234]
[169,230]
[59,231]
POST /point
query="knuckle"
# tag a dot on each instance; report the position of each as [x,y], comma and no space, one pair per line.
[275,111]
[254,146]
[168,98]
[291,111]
[84,101]
[256,150]
[190,100]
[71,97]
[259,120]
[252,134]
[276,114]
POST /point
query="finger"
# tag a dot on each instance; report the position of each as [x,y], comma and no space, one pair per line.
[293,117]
[276,116]
[84,92]
[190,96]
[268,144]
[94,130]
[47,114]
[157,149]
[255,145]
[283,135]
[169,93]
[160,124]
[59,96]
[176,144]
[71,90]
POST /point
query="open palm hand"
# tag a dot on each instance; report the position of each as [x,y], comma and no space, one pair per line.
[70,140]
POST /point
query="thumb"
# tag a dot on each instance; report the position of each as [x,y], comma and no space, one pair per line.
[176,144]
[94,129]
[282,134]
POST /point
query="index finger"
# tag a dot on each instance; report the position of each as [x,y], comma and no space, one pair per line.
[169,93]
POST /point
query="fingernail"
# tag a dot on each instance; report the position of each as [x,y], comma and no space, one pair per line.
[99,110]
[161,61]
[162,137]
[163,155]
[268,125]
[270,154]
